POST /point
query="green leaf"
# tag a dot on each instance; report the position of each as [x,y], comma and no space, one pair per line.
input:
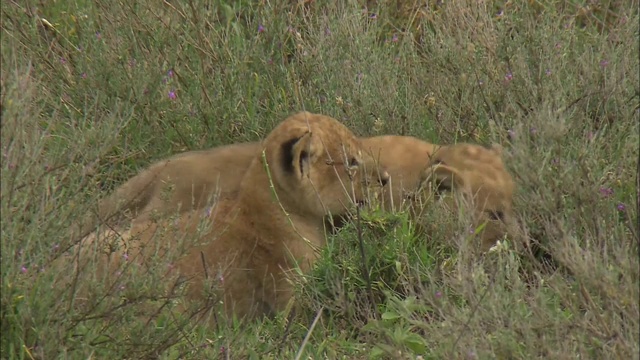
[390,316]
[416,343]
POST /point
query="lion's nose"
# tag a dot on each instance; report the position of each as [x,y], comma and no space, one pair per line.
[384,177]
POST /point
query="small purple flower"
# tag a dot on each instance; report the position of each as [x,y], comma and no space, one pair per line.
[547,72]
[438,294]
[261,29]
[604,63]
[63,60]
[327,31]
[558,45]
[83,75]
[23,269]
[172,95]
[508,76]
[621,207]
[606,192]
[125,256]
[394,38]
[170,73]
[98,35]
[555,161]
[373,16]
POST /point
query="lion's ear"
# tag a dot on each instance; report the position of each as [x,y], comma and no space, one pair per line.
[301,153]
[442,178]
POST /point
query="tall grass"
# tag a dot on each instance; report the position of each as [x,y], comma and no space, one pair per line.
[92,91]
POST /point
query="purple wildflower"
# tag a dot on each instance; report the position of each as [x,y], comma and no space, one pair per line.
[438,294]
[63,60]
[327,31]
[261,29]
[172,95]
[508,76]
[394,38]
[621,207]
[125,256]
[170,73]
[23,269]
[547,72]
[604,63]
[83,75]
[98,35]
[373,16]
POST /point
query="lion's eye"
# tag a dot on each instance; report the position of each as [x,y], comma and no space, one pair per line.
[496,215]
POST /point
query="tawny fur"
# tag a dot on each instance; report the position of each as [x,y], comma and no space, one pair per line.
[191,179]
[477,174]
[274,225]
[183,182]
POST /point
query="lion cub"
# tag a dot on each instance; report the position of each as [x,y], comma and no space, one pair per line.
[309,166]
[180,183]
[478,181]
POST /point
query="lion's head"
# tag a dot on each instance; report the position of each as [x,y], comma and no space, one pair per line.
[475,178]
[319,165]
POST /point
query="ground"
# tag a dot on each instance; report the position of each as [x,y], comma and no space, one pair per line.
[93,91]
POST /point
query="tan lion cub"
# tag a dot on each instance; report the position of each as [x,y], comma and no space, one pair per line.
[180,183]
[472,176]
[309,166]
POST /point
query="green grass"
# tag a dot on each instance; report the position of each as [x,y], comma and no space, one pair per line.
[86,104]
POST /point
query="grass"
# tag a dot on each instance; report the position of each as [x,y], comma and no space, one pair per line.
[92,91]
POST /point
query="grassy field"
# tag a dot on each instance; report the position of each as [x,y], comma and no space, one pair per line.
[93,91]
